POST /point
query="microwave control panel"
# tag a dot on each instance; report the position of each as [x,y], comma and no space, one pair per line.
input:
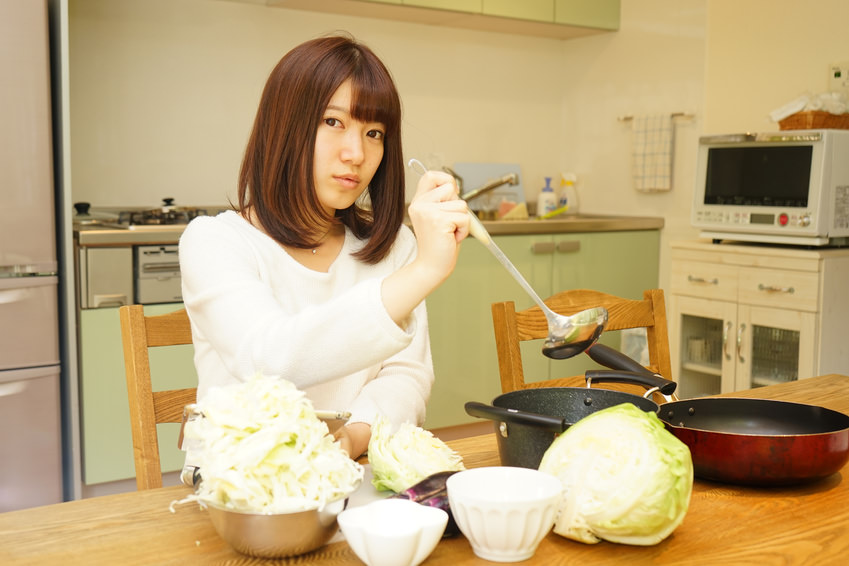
[737,218]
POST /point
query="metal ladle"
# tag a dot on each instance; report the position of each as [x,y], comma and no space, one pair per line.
[567,335]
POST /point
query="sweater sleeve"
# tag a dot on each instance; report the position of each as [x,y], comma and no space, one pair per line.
[241,312]
[402,387]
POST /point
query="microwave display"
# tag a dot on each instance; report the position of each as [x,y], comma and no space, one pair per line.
[758,176]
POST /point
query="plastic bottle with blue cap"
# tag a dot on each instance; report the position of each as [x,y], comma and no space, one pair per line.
[547,200]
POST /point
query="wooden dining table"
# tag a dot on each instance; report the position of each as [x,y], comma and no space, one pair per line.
[725,524]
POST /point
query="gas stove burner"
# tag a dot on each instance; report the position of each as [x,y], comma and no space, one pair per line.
[167,214]
[159,216]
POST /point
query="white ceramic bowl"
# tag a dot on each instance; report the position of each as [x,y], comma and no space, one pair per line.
[505,512]
[393,532]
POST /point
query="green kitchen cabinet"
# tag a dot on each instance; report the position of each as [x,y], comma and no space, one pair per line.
[470,6]
[534,10]
[561,19]
[623,263]
[600,14]
[107,442]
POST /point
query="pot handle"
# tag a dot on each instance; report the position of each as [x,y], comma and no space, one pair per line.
[644,378]
[614,359]
[553,424]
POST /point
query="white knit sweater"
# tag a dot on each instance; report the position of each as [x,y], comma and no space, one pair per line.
[254,309]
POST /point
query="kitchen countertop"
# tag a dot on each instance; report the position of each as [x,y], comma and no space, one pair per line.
[725,524]
[170,234]
[578,223]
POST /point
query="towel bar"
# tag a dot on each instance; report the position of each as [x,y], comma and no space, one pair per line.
[672,115]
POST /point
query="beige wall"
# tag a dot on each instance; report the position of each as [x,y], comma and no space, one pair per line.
[163,94]
[653,65]
[764,53]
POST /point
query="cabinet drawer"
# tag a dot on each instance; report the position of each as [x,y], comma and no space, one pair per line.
[706,280]
[779,288]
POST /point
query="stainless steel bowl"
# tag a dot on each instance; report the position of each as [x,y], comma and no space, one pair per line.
[277,535]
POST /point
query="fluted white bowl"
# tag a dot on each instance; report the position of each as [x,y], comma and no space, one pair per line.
[393,532]
[504,511]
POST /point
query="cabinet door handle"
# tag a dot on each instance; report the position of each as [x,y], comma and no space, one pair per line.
[725,332]
[568,246]
[740,343]
[774,289]
[542,248]
[695,279]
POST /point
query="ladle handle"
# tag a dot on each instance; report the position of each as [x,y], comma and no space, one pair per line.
[476,229]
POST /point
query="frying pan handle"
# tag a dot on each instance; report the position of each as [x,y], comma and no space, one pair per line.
[614,359]
[645,378]
[553,424]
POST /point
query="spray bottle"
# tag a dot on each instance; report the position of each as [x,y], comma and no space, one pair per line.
[568,192]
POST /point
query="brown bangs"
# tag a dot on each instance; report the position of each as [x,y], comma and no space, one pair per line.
[374,99]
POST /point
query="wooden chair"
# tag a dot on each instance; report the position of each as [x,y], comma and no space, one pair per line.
[513,327]
[148,407]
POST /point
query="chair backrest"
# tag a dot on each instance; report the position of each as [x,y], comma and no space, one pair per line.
[148,407]
[513,327]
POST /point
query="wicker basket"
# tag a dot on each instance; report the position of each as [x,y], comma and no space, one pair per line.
[815,119]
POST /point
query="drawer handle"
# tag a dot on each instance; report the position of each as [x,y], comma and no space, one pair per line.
[542,248]
[774,289]
[568,246]
[160,267]
[694,279]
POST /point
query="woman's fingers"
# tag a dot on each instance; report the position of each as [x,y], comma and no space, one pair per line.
[437,185]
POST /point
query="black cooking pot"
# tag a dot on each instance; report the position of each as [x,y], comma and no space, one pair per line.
[528,420]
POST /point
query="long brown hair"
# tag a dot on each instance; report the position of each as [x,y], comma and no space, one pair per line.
[276,178]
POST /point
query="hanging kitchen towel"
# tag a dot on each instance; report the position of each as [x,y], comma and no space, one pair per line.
[651,159]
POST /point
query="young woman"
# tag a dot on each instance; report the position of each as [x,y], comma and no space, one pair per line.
[315,279]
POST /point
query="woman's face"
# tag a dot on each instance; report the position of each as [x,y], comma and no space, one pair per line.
[347,153]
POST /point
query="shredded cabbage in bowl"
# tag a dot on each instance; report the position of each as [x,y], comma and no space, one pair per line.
[261,448]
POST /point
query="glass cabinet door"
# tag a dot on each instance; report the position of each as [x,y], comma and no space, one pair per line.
[773,346]
[702,341]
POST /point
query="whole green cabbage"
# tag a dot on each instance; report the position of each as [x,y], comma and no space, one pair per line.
[626,479]
[411,454]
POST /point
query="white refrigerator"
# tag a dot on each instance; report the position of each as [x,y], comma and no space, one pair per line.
[30,407]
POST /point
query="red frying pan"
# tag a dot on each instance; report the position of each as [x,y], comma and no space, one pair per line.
[743,441]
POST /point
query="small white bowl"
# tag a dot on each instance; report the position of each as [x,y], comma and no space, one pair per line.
[393,532]
[505,512]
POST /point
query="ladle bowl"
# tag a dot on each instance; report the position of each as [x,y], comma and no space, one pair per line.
[567,335]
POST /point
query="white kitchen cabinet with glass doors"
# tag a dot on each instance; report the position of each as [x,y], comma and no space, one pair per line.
[744,316]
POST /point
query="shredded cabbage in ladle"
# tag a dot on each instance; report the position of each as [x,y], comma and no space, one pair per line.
[261,449]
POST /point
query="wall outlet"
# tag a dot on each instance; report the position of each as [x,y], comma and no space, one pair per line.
[838,77]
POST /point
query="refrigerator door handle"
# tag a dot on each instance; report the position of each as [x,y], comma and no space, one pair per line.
[29,270]
[14,388]
[8,296]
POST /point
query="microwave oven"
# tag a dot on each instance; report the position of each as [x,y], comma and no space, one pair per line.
[789,187]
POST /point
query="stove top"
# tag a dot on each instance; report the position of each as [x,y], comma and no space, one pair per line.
[135,225]
[167,216]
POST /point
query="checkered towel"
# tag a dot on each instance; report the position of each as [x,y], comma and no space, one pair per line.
[653,142]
